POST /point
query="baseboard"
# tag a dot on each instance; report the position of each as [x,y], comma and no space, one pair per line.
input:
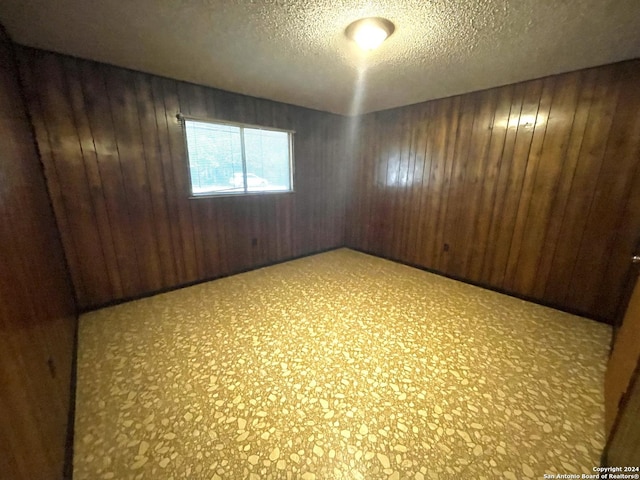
[537,301]
[203,280]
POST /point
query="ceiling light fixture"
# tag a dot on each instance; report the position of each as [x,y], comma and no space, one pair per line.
[369,33]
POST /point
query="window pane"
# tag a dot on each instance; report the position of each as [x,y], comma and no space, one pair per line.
[215,158]
[229,159]
[268,161]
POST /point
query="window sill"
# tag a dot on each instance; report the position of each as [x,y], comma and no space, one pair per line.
[241,195]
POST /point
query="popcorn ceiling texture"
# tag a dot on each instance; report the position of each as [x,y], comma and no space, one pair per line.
[296,51]
[337,366]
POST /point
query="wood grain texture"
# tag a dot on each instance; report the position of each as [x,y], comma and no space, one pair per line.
[116,165]
[624,359]
[532,189]
[529,188]
[623,447]
[37,311]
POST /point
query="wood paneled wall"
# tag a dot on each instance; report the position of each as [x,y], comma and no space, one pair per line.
[37,312]
[623,446]
[624,359]
[116,166]
[532,188]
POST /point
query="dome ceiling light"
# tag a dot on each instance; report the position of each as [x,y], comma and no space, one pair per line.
[369,33]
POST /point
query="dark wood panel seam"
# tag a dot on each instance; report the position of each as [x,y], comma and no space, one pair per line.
[448,166]
[593,197]
[74,121]
[496,185]
[42,169]
[508,148]
[184,161]
[56,180]
[177,240]
[152,206]
[122,175]
[67,472]
[556,189]
[609,258]
[524,178]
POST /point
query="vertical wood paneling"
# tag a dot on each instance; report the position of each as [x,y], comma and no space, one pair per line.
[584,183]
[416,179]
[165,166]
[534,188]
[30,87]
[527,188]
[191,100]
[37,312]
[449,132]
[93,175]
[120,89]
[565,180]
[389,182]
[177,169]
[112,186]
[116,164]
[498,227]
[529,140]
[409,174]
[489,183]
[601,238]
[456,195]
[156,179]
[475,178]
[548,149]
[507,204]
[623,447]
[68,163]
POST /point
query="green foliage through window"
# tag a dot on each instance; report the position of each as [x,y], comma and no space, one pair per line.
[229,159]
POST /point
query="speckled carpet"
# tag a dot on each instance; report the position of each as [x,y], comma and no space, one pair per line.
[337,366]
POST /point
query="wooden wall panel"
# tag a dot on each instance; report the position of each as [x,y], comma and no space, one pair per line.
[624,359]
[115,161]
[533,189]
[529,188]
[623,447]
[37,311]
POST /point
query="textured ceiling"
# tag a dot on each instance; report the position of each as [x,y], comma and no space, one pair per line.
[296,51]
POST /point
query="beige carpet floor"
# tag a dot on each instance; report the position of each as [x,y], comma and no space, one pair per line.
[337,366]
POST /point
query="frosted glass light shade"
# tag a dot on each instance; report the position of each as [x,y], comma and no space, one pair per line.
[369,33]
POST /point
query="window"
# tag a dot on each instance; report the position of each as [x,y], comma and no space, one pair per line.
[236,159]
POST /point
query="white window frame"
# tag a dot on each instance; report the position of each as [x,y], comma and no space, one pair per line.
[290,133]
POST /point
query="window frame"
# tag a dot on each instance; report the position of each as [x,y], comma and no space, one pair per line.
[182,118]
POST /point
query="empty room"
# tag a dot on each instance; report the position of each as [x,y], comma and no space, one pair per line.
[319,240]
